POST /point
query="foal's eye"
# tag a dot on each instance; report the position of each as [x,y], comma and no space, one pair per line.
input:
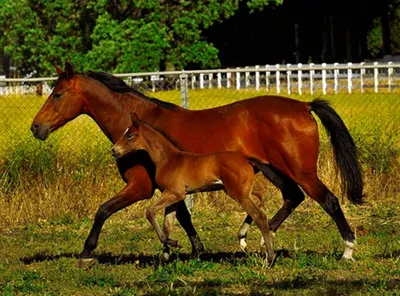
[57,95]
[129,136]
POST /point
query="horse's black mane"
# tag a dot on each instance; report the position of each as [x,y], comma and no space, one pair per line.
[118,85]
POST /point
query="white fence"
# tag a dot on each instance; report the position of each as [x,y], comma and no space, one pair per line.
[272,78]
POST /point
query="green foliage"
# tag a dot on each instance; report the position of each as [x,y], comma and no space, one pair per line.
[123,36]
[374,39]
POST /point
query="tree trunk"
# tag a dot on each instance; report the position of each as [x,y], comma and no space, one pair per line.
[297,42]
[333,45]
[324,40]
[349,46]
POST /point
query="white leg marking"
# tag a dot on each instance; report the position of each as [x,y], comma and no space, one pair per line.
[262,242]
[243,243]
[348,251]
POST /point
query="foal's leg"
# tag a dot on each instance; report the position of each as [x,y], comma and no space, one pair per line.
[242,234]
[166,199]
[261,221]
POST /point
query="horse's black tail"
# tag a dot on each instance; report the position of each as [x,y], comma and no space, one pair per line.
[344,149]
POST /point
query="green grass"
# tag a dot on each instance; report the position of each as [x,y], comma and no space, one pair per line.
[41,258]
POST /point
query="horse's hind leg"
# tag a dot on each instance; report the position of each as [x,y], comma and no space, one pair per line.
[330,203]
[292,198]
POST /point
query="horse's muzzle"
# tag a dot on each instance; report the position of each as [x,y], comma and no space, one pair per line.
[39,131]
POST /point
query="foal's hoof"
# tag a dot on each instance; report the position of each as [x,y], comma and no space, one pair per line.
[86,263]
[173,243]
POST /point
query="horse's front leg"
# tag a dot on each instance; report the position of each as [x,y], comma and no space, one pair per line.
[180,211]
[139,187]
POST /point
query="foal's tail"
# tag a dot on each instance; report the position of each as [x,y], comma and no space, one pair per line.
[344,149]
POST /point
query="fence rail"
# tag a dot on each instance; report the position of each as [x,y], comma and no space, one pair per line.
[292,78]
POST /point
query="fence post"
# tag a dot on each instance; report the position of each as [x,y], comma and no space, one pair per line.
[201,80]
[336,78]
[278,79]
[349,78]
[362,74]
[299,79]
[289,82]
[183,78]
[193,80]
[257,77]
[228,79]
[324,79]
[376,78]
[219,80]
[237,79]
[247,78]
[210,79]
[390,76]
[267,74]
[312,72]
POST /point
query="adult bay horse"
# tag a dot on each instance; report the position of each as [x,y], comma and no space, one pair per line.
[180,172]
[281,132]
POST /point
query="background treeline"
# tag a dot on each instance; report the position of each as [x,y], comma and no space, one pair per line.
[132,36]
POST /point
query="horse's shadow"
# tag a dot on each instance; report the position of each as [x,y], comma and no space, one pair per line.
[150,260]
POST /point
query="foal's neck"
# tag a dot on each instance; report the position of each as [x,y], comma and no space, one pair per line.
[157,145]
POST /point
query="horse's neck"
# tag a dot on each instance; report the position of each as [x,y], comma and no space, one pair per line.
[160,149]
[112,111]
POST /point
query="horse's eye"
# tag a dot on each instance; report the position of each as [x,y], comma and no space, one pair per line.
[57,95]
[129,136]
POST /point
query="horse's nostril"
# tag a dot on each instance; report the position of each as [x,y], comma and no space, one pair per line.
[35,127]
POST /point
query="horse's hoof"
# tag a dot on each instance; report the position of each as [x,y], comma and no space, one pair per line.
[348,259]
[173,243]
[165,257]
[86,263]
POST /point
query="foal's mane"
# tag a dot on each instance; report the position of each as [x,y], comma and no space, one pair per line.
[118,85]
[163,133]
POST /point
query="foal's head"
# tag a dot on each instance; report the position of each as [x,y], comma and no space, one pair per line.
[130,141]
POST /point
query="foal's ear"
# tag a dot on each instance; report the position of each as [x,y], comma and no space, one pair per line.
[58,69]
[68,69]
[135,119]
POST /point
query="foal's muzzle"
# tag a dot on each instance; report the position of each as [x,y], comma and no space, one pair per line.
[115,153]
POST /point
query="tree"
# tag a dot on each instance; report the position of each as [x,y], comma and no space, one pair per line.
[113,35]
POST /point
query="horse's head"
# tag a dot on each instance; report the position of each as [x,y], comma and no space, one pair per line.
[130,141]
[63,104]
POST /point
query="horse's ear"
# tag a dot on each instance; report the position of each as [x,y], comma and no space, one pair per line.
[59,71]
[135,119]
[68,69]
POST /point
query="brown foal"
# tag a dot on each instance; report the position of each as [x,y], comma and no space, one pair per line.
[179,173]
